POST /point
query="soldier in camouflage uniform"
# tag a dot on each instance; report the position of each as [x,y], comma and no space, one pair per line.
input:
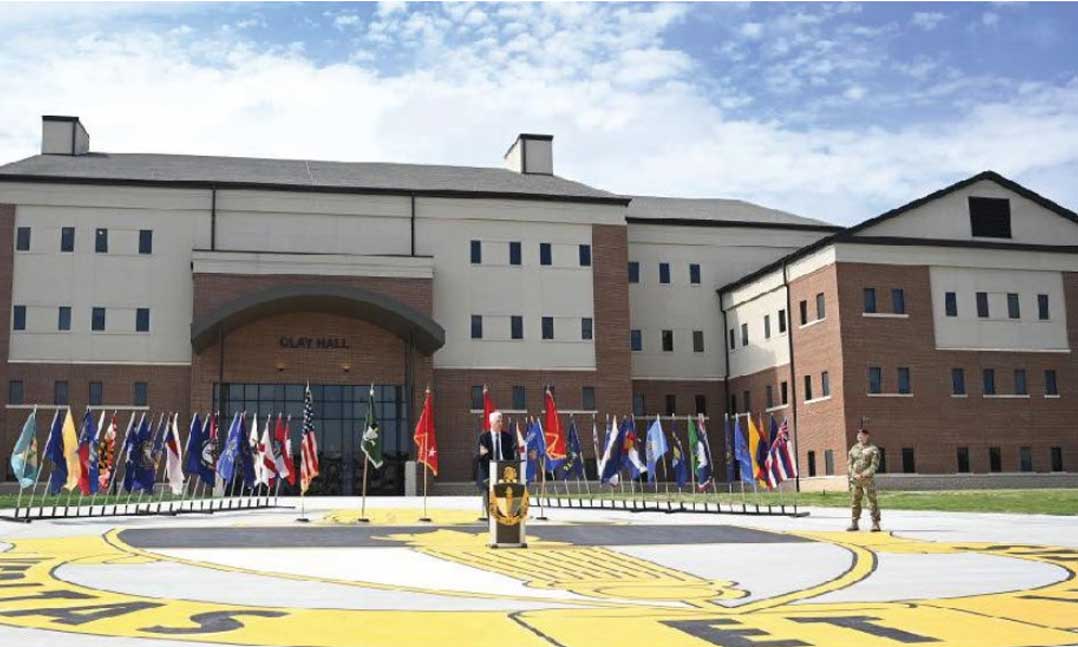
[864,460]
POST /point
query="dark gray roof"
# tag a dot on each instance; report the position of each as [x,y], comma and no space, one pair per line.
[712,209]
[376,177]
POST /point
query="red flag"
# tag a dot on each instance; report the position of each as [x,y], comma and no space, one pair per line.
[555,435]
[288,456]
[488,408]
[426,443]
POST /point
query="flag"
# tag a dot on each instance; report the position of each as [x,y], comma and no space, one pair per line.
[308,448]
[554,434]
[426,443]
[136,438]
[572,467]
[54,451]
[122,458]
[280,453]
[207,455]
[106,455]
[655,446]
[705,440]
[71,452]
[729,437]
[741,453]
[595,442]
[25,464]
[632,453]
[679,463]
[88,477]
[489,408]
[192,451]
[267,464]
[758,451]
[290,460]
[701,458]
[248,449]
[535,441]
[226,463]
[610,464]
[781,463]
[174,456]
[147,460]
[372,443]
[522,443]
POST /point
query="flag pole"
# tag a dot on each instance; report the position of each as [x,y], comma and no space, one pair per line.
[26,454]
[363,505]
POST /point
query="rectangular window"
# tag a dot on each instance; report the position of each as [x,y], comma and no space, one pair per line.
[548,327]
[67,239]
[903,380]
[545,254]
[477,326]
[883,461]
[804,312]
[14,392]
[1057,459]
[958,381]
[97,318]
[22,239]
[744,334]
[825,384]
[990,217]
[982,305]
[950,300]
[698,341]
[909,464]
[782,321]
[63,318]
[59,392]
[1013,310]
[141,394]
[870,300]
[1020,382]
[101,241]
[636,340]
[898,301]
[477,397]
[638,405]
[989,379]
[963,460]
[694,273]
[1025,459]
[634,272]
[733,343]
[18,318]
[767,326]
[808,387]
[700,402]
[515,256]
[145,241]
[664,272]
[820,313]
[769,396]
[477,252]
[585,328]
[875,379]
[142,320]
[520,399]
[829,462]
[1050,385]
[585,256]
[995,459]
[668,341]
[784,393]
[1042,307]
[516,327]
[671,404]
[812,463]
[587,398]
[733,403]
[95,393]
[746,397]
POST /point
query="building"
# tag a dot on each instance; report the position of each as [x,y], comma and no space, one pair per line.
[144,282]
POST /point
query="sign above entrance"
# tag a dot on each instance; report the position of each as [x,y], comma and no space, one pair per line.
[315,343]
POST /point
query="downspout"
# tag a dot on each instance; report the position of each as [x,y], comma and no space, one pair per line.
[793,373]
[213,217]
[726,378]
[413,225]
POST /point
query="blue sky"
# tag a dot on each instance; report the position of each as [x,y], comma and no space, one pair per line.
[834,111]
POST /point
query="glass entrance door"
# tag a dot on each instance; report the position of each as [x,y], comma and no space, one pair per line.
[340,415]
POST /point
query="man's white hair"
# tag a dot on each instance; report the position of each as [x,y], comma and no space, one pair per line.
[494,415]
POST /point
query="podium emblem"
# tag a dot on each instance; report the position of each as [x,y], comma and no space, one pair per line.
[509,503]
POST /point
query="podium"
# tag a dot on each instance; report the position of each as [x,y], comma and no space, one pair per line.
[508,511]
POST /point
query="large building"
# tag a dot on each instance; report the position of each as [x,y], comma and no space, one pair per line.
[144,282]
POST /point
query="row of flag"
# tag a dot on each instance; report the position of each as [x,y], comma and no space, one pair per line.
[764,459]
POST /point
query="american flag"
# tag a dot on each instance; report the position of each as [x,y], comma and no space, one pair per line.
[308,468]
[781,464]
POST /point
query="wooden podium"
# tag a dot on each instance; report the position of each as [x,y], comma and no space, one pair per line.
[508,504]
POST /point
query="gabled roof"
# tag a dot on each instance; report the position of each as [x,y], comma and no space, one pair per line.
[715,212]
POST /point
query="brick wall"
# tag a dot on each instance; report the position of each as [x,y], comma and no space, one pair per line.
[610,258]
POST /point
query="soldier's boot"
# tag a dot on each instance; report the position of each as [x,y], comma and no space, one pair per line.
[875,525]
[853,526]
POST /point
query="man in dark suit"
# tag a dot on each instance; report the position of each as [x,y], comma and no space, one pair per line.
[496,444]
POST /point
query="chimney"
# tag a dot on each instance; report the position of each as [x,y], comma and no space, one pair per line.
[63,136]
[531,154]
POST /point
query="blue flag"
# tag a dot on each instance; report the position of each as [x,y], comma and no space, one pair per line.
[655,447]
[535,441]
[226,464]
[728,435]
[572,466]
[680,463]
[613,448]
[25,464]
[247,452]
[88,484]
[741,454]
[192,452]
[54,451]
[132,452]
[144,458]
[207,453]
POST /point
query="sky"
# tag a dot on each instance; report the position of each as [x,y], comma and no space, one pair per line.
[832,111]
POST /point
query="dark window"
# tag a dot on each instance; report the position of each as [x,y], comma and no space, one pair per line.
[668,341]
[101,241]
[14,392]
[97,318]
[145,241]
[585,328]
[545,255]
[142,320]
[700,402]
[767,326]
[733,343]
[18,318]
[63,318]
[769,396]
[95,393]
[634,272]
[995,459]
[870,300]
[67,239]
[1020,382]
[585,256]
[1050,385]
[59,392]
[1042,306]
[958,381]
[636,340]
[909,464]
[820,312]
[698,341]
[694,273]
[898,301]
[671,404]
[746,397]
[812,463]
[875,379]
[1057,459]
[733,403]
[516,327]
[1025,459]
[782,321]
[664,272]
[784,393]
[477,397]
[587,398]
[638,405]
[990,217]
[477,326]
[825,384]
[22,239]
[520,398]
[808,387]
[804,312]
[514,253]
[903,380]
[950,300]
[477,252]
[982,305]
[548,327]
[989,379]
[883,461]
[1013,310]
[829,462]
[744,334]
[963,460]
[141,394]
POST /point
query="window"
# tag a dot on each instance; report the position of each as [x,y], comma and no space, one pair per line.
[990,217]
[698,341]
[950,300]
[101,241]
[782,321]
[825,384]
[141,395]
[634,272]
[812,463]
[1020,382]
[1042,307]
[14,392]
[514,253]
[694,273]
[733,403]
[909,464]
[958,381]
[145,241]
[769,396]
[744,334]
[882,469]
[477,326]
[671,404]
[22,239]
[516,327]
[59,392]
[870,300]
[898,301]
[963,460]
[668,341]
[829,462]
[875,379]
[995,459]
[587,398]
[664,272]
[638,405]
[1025,459]
[784,393]
[635,340]
[820,313]
[746,397]
[477,397]
[18,318]
[733,344]
[585,256]
[700,402]
[476,252]
[520,399]
[585,328]
[97,318]
[548,327]
[95,393]
[1050,385]
[67,239]
[63,318]
[545,254]
[767,326]
[982,305]
[989,379]
[1013,310]
[1057,459]
[804,312]
[903,379]
[142,320]
[808,387]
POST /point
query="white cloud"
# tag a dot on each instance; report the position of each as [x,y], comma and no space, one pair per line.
[854,93]
[927,20]
[345,20]
[989,19]
[752,30]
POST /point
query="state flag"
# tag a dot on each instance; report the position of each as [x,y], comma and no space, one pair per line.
[426,442]
[25,464]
